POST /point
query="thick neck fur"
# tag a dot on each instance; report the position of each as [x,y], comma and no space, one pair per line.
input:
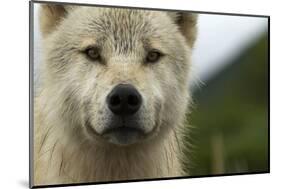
[60,157]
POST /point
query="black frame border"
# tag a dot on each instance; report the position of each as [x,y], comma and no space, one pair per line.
[31,93]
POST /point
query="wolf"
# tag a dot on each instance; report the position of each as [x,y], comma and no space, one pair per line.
[114,94]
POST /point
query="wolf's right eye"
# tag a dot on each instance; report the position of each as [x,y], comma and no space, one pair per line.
[153,56]
[93,53]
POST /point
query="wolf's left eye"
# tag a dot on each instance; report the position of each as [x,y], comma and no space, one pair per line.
[153,56]
[93,53]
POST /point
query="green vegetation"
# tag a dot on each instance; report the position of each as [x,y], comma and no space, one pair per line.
[230,117]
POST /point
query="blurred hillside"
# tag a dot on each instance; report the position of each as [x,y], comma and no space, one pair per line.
[229,117]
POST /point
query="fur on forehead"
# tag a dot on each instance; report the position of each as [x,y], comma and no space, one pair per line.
[51,16]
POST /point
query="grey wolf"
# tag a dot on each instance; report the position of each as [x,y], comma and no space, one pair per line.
[114,94]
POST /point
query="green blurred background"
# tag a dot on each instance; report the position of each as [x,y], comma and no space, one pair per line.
[229,117]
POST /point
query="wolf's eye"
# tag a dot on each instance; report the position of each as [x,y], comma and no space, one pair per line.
[153,56]
[93,53]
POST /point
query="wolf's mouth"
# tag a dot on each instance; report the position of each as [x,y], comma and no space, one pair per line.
[120,135]
[123,129]
[123,135]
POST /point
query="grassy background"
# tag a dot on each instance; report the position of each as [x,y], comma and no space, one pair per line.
[230,117]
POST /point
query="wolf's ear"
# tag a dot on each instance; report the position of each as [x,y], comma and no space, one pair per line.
[50,17]
[187,23]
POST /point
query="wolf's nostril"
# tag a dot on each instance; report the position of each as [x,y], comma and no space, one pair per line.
[133,100]
[124,100]
[115,100]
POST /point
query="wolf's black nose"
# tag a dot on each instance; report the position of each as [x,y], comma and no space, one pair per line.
[124,99]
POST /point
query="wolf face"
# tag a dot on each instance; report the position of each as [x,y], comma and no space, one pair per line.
[118,76]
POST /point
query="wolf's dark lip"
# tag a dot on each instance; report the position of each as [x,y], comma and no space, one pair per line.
[124,135]
[123,129]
